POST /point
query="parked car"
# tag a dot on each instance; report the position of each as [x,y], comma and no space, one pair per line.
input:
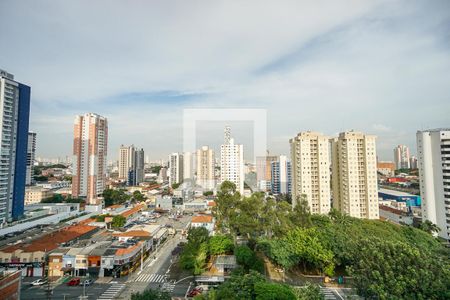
[88,282]
[39,282]
[74,282]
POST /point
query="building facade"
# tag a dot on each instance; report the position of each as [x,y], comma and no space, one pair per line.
[401,157]
[35,194]
[14,119]
[311,171]
[354,175]
[205,168]
[176,166]
[264,171]
[31,153]
[232,162]
[90,150]
[126,160]
[281,176]
[433,150]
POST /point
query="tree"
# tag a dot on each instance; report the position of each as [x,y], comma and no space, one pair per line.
[198,235]
[55,198]
[301,215]
[248,259]
[208,193]
[112,196]
[429,227]
[308,292]
[175,185]
[226,209]
[273,291]
[138,196]
[150,294]
[247,221]
[249,286]
[118,221]
[220,244]
[396,270]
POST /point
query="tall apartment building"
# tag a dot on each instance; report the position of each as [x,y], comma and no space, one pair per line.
[205,168]
[354,175]
[131,164]
[413,162]
[232,162]
[90,145]
[176,165]
[433,150]
[280,176]
[31,153]
[311,170]
[14,119]
[126,160]
[401,157]
[264,171]
[188,170]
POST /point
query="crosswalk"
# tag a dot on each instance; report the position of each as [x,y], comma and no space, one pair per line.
[112,291]
[151,278]
[328,293]
[168,286]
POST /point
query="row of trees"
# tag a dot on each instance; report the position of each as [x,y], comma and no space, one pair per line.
[118,221]
[58,198]
[120,196]
[386,261]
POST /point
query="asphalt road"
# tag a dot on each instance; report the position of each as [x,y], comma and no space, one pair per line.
[153,275]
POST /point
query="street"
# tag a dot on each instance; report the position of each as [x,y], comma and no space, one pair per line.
[154,274]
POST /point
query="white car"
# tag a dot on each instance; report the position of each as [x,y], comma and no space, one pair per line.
[39,282]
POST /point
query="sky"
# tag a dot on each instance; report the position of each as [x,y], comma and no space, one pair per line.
[380,67]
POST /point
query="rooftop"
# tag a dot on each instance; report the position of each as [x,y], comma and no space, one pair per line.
[52,240]
[202,219]
[395,193]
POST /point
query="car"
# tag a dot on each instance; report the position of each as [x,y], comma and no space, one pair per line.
[73,282]
[39,282]
[88,282]
[194,293]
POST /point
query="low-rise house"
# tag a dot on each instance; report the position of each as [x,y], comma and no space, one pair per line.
[205,221]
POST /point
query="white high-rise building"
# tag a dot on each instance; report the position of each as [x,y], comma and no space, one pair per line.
[14,121]
[188,170]
[401,157]
[433,151]
[205,168]
[176,165]
[31,153]
[311,170]
[354,175]
[232,162]
[90,149]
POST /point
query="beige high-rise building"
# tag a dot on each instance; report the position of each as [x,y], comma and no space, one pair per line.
[126,160]
[90,149]
[205,168]
[354,174]
[310,165]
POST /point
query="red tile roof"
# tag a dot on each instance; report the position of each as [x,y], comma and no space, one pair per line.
[202,219]
[132,211]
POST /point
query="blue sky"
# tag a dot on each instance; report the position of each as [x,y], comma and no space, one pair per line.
[381,67]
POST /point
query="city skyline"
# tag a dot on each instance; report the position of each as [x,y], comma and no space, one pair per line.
[330,70]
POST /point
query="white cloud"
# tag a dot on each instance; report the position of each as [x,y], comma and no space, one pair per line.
[325,66]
